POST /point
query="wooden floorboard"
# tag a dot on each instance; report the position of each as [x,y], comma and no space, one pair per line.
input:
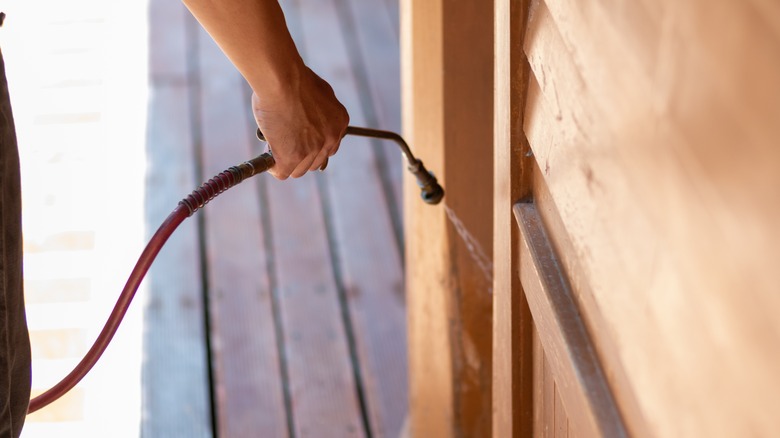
[304,277]
[322,384]
[167,48]
[368,254]
[244,351]
[175,393]
[374,52]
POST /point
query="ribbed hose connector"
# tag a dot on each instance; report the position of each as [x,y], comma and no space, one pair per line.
[225,180]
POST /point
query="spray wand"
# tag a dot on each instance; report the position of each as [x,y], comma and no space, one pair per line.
[431,192]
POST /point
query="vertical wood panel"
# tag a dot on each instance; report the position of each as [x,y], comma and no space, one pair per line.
[538,382]
[547,402]
[512,411]
[447,111]
[561,419]
[428,303]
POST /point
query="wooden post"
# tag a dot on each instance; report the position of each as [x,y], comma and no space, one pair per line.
[512,325]
[447,87]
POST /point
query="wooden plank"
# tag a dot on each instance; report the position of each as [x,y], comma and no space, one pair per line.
[322,384]
[512,413]
[393,10]
[552,110]
[538,383]
[377,63]
[167,57]
[548,399]
[175,393]
[666,198]
[561,419]
[431,374]
[248,381]
[573,362]
[368,258]
[333,408]
[448,294]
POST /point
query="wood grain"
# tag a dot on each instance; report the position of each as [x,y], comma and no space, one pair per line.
[638,113]
[512,412]
[322,384]
[560,419]
[377,61]
[447,112]
[368,258]
[537,355]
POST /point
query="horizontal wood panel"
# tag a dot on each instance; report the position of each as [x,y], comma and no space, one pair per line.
[654,128]
[563,179]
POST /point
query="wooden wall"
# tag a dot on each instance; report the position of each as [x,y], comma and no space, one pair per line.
[654,127]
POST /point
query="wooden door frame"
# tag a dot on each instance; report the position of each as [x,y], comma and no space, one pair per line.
[513,170]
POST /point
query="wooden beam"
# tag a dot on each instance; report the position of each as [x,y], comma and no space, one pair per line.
[447,86]
[512,410]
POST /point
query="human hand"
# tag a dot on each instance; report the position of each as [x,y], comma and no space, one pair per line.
[303,124]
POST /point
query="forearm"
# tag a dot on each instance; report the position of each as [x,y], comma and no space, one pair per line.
[254,36]
[297,110]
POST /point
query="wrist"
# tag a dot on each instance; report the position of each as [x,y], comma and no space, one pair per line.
[280,81]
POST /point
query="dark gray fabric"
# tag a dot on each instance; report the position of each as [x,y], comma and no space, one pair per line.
[14,338]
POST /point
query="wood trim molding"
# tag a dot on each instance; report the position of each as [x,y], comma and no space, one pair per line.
[512,171]
[583,387]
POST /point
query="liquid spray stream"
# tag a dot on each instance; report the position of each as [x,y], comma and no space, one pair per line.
[483,262]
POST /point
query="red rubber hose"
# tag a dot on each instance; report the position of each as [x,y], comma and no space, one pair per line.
[141,267]
[186,208]
[432,193]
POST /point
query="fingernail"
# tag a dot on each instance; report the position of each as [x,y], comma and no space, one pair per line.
[324,165]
